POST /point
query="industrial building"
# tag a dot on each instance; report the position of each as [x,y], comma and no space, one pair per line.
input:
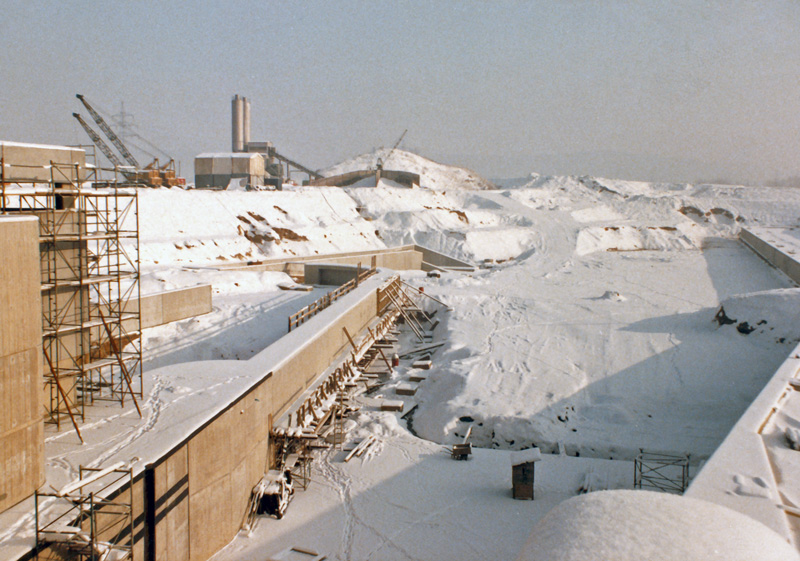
[229,170]
[249,165]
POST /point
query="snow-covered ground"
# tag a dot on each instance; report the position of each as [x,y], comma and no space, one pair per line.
[592,325]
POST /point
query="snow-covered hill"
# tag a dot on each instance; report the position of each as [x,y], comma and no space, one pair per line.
[433,175]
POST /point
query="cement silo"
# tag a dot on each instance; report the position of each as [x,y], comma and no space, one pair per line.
[237,123]
[245,123]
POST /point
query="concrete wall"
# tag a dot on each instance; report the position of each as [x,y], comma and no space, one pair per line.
[405,178]
[434,260]
[21,429]
[774,256]
[173,305]
[398,258]
[31,162]
[329,274]
[202,486]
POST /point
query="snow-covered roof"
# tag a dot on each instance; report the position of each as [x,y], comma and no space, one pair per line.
[16,218]
[246,155]
[525,456]
[41,146]
[634,525]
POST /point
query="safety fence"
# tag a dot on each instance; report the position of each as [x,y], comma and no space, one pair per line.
[323,302]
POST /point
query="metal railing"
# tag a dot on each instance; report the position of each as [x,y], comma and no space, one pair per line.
[661,472]
[323,302]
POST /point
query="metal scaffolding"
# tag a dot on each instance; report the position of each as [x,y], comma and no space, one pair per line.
[661,472]
[89,255]
[88,525]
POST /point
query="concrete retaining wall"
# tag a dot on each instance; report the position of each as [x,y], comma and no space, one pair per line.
[401,258]
[772,255]
[200,489]
[744,455]
[32,162]
[173,305]
[434,260]
[21,428]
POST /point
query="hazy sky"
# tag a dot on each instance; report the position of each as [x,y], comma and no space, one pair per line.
[673,90]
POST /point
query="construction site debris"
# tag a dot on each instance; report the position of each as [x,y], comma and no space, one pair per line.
[420,350]
[298,287]
[362,447]
[297,554]
[463,450]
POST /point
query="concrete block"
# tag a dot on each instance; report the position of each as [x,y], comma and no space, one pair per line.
[405,389]
[392,405]
[151,310]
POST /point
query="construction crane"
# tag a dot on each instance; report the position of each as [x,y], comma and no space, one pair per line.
[383,161]
[99,142]
[109,133]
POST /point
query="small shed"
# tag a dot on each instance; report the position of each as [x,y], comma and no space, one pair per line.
[522,472]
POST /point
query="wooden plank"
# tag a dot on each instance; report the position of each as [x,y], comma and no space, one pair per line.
[421,350]
[70,487]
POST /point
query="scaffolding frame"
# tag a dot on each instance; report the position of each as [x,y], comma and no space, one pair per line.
[662,472]
[92,525]
[89,256]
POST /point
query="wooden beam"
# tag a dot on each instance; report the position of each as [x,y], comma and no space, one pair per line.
[122,366]
[63,394]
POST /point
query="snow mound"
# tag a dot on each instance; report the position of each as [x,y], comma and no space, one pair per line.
[433,175]
[771,314]
[635,238]
[636,525]
[459,223]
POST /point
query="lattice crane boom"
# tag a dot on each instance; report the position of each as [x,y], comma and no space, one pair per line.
[109,133]
[396,144]
[99,142]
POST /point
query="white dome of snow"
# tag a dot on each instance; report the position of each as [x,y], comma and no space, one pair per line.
[639,525]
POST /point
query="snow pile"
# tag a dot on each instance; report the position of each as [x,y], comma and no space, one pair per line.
[433,175]
[632,238]
[636,525]
[462,224]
